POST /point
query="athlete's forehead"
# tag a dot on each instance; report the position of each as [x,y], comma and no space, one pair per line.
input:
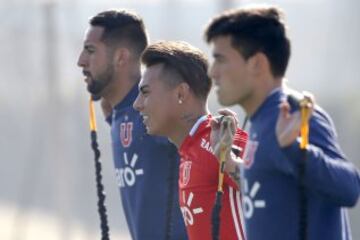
[150,76]
[221,46]
[93,35]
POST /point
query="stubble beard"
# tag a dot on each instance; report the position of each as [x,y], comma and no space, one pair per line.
[100,82]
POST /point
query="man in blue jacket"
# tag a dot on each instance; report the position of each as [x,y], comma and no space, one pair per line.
[146,167]
[251,52]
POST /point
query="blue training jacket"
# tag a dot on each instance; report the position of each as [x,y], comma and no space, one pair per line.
[144,165]
[270,187]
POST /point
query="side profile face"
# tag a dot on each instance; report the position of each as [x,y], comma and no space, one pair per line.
[230,72]
[95,62]
[157,102]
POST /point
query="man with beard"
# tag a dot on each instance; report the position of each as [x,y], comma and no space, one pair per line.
[145,166]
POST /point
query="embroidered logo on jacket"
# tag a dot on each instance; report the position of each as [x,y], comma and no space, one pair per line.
[186,172]
[126,176]
[250,151]
[126,133]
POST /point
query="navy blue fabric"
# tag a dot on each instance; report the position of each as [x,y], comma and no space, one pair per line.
[142,173]
[271,199]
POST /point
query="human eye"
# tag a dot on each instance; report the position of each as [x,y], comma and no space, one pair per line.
[218,58]
[144,91]
[89,49]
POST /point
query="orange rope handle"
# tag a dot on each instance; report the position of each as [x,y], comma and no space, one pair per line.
[92,115]
[304,131]
[223,150]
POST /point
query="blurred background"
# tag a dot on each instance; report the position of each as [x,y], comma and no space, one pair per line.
[47,176]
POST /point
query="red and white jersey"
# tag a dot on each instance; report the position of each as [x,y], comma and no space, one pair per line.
[198,181]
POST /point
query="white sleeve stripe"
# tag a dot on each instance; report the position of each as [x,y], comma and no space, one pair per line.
[342,225]
[240,207]
[345,226]
[233,212]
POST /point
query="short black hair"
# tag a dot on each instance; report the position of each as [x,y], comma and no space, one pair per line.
[122,26]
[252,30]
[182,59]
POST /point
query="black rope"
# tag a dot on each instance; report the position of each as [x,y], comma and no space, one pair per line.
[294,102]
[302,198]
[100,189]
[171,188]
[215,216]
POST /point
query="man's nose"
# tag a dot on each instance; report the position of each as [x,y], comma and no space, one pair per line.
[81,60]
[137,103]
[211,71]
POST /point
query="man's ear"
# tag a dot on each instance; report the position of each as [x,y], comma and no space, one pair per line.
[182,92]
[121,56]
[258,63]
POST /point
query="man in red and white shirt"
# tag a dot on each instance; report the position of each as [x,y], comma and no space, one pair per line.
[198,182]
[173,102]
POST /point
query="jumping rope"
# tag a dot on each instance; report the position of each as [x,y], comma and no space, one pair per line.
[99,186]
[215,217]
[172,177]
[304,133]
[303,104]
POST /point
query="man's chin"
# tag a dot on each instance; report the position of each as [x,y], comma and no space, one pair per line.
[95,90]
[151,131]
[94,94]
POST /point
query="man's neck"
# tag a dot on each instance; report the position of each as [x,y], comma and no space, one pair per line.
[252,104]
[185,124]
[120,88]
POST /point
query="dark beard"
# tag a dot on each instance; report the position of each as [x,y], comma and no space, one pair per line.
[99,83]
